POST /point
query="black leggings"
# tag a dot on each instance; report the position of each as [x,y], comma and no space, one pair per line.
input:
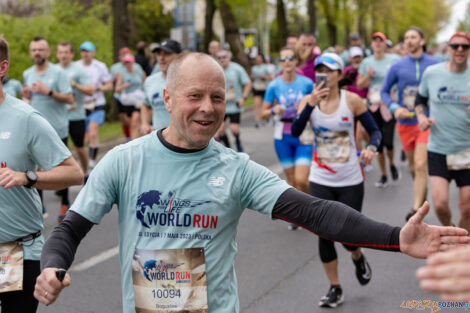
[22,301]
[351,196]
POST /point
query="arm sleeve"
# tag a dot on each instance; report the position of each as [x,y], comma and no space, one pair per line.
[59,250]
[335,221]
[369,124]
[389,80]
[421,100]
[301,121]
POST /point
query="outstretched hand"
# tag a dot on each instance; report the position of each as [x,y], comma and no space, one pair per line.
[420,240]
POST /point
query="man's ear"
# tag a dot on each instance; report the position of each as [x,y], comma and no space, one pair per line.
[167,99]
[4,68]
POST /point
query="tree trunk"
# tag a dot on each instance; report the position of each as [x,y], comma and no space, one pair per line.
[361,19]
[282,27]
[208,31]
[331,15]
[121,33]
[312,16]
[232,36]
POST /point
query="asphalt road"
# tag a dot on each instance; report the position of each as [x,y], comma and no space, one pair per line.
[278,270]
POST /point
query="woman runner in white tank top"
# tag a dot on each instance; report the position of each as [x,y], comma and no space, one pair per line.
[335,172]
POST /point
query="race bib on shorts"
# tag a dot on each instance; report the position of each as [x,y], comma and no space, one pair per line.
[374,95]
[333,147]
[409,96]
[458,161]
[259,85]
[278,130]
[230,95]
[172,280]
[11,266]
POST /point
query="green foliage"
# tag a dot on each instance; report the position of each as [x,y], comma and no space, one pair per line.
[150,23]
[464,25]
[64,21]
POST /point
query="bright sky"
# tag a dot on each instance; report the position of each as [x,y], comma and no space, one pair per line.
[457,14]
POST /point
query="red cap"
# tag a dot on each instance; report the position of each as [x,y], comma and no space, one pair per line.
[125,50]
[461,34]
[380,35]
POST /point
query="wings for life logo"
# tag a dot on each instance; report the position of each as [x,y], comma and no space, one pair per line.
[159,270]
[154,208]
[448,94]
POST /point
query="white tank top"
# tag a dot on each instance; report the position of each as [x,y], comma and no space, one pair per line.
[335,162]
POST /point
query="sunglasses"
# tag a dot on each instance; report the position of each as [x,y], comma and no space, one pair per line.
[221,57]
[284,59]
[456,46]
[324,59]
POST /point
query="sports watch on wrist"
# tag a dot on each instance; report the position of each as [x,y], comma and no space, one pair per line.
[32,178]
[372,148]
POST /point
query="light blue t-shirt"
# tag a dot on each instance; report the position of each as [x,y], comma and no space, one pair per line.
[380,68]
[235,78]
[288,94]
[135,79]
[198,196]
[119,68]
[12,87]
[26,141]
[258,83]
[153,89]
[54,111]
[77,74]
[449,96]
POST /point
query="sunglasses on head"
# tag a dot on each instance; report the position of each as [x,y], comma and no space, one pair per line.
[284,59]
[455,46]
[221,57]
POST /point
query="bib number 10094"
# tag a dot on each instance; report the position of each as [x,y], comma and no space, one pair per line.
[166,293]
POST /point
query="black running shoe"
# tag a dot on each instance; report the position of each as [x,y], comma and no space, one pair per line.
[332,298]
[363,271]
[382,183]
[395,173]
[410,214]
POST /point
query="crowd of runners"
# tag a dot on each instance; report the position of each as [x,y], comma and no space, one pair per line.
[332,113]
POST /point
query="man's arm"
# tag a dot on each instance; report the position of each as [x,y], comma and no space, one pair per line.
[85,89]
[146,118]
[66,174]
[336,221]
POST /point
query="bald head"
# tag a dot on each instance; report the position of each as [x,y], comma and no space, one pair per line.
[187,61]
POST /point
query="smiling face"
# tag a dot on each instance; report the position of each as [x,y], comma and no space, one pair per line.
[195,100]
[287,60]
[458,56]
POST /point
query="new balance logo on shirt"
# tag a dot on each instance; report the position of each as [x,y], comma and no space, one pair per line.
[5,135]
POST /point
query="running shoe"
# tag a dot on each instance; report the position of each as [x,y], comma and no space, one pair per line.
[332,298]
[410,214]
[363,270]
[293,227]
[396,175]
[63,210]
[91,163]
[382,183]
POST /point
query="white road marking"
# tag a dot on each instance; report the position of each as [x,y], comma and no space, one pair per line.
[108,254]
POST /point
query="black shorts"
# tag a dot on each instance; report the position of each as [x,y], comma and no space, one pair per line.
[128,109]
[259,93]
[234,118]
[437,166]
[387,129]
[77,131]
[23,300]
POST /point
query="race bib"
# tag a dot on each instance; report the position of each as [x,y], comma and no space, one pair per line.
[409,96]
[90,105]
[374,95]
[71,107]
[172,280]
[11,266]
[333,147]
[458,161]
[306,138]
[259,85]
[230,95]
[278,130]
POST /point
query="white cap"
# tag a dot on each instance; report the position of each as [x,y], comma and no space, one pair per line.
[355,52]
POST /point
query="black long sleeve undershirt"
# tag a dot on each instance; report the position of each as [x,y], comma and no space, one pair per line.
[327,219]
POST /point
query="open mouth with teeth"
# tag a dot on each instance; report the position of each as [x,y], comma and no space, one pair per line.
[204,123]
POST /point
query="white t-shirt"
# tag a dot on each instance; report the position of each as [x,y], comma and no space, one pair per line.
[99,75]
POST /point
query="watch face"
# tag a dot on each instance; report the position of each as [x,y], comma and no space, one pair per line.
[31,176]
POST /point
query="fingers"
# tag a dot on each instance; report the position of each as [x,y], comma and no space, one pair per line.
[48,287]
[421,213]
[452,231]
[457,254]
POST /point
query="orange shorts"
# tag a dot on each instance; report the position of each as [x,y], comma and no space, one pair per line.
[411,135]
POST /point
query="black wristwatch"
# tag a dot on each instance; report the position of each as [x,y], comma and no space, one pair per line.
[50,92]
[32,178]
